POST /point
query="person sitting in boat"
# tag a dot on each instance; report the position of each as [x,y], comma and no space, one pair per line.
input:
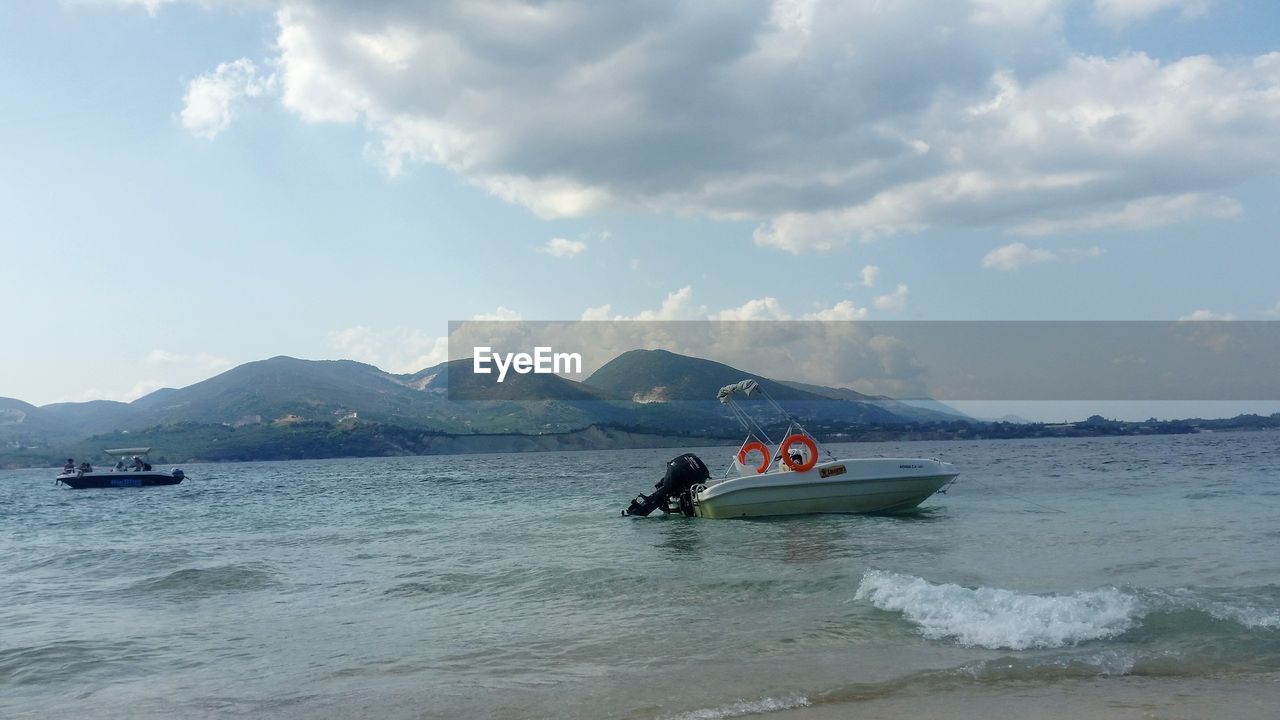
[119,465]
[85,467]
[70,467]
[137,463]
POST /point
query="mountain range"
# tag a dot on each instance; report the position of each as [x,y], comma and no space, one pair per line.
[654,392]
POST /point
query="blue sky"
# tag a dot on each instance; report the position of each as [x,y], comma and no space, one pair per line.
[187,186]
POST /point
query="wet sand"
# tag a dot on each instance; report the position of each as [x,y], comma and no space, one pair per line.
[1120,698]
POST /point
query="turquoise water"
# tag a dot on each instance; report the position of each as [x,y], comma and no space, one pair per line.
[508,585]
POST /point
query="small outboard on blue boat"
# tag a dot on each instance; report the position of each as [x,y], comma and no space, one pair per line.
[683,473]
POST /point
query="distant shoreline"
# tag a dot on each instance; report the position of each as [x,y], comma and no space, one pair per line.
[319,441]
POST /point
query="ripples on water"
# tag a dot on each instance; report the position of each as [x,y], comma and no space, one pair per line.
[508,586]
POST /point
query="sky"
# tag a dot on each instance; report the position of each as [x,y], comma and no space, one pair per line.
[185,186]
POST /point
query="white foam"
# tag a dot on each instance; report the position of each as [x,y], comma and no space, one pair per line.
[997,618]
[746,707]
[1249,616]
[1112,661]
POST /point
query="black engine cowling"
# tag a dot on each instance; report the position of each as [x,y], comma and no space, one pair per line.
[683,472]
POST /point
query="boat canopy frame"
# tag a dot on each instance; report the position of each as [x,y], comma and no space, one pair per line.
[755,431]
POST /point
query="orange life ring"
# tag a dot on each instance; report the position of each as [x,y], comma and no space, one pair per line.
[764,455]
[805,466]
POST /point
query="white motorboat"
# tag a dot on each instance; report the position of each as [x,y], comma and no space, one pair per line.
[794,479]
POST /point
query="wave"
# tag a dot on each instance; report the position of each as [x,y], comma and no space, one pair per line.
[1248,616]
[1001,619]
[59,661]
[745,707]
[1231,608]
[201,582]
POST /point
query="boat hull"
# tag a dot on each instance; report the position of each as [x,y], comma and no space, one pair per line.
[89,481]
[868,485]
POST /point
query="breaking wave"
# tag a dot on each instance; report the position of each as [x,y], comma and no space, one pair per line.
[1001,619]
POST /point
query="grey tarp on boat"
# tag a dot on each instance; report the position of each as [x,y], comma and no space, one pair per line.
[745,387]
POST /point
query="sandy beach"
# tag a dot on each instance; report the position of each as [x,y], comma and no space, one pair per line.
[1115,698]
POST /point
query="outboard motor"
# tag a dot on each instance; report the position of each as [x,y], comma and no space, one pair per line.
[682,474]
[178,474]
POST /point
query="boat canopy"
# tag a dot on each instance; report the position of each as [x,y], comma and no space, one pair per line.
[128,451]
[745,387]
[756,431]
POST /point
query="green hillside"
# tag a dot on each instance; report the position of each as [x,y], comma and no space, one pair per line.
[286,407]
[660,376]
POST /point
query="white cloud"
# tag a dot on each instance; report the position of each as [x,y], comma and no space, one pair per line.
[895,301]
[1016,14]
[1015,256]
[146,387]
[209,104]
[159,368]
[1274,311]
[151,6]
[166,368]
[1139,214]
[868,275]
[199,360]
[563,247]
[893,211]
[843,310]
[502,314]
[826,123]
[1207,315]
[765,308]
[394,349]
[1093,252]
[394,47]
[548,198]
[1121,12]
[597,313]
[133,392]
[1086,146]
[679,305]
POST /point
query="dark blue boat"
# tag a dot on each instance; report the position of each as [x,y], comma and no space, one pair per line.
[130,470]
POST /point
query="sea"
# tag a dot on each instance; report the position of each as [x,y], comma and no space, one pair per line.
[1123,577]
